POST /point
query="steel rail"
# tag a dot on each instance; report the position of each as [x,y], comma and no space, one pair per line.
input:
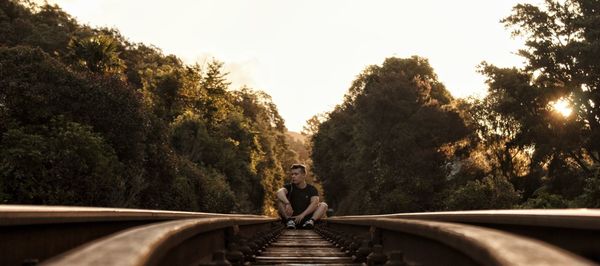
[443,243]
[576,230]
[35,233]
[159,244]
[29,214]
[557,218]
[110,236]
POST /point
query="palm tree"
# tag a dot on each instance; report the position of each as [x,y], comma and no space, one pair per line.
[98,53]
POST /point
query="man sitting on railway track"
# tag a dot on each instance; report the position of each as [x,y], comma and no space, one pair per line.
[298,202]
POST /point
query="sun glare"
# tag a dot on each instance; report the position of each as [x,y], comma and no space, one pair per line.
[562,107]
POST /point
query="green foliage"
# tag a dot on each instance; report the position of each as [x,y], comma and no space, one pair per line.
[544,200]
[560,152]
[382,147]
[48,28]
[590,198]
[37,87]
[488,193]
[216,195]
[299,150]
[99,54]
[263,142]
[88,118]
[162,134]
[383,141]
[58,163]
[517,135]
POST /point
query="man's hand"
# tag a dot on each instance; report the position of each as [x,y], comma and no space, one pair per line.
[288,210]
[298,218]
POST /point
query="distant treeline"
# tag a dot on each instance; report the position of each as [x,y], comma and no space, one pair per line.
[400,143]
[89,118]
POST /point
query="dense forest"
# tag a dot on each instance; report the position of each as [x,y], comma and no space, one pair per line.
[400,143]
[90,118]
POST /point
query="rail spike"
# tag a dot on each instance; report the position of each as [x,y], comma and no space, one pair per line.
[218,259]
[254,246]
[244,248]
[362,252]
[396,259]
[376,257]
[355,245]
[234,255]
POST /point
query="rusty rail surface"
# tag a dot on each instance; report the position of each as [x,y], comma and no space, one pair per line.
[35,233]
[576,230]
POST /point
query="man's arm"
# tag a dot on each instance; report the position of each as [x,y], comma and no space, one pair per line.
[284,206]
[314,201]
[281,195]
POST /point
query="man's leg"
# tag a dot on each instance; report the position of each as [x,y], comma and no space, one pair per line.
[320,211]
[281,210]
[285,216]
[309,221]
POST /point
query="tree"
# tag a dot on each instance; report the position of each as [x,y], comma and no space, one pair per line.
[99,54]
[489,150]
[37,88]
[57,163]
[378,151]
[312,125]
[81,101]
[26,23]
[561,39]
[488,193]
[265,145]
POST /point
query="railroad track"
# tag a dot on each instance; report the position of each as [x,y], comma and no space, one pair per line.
[301,247]
[38,235]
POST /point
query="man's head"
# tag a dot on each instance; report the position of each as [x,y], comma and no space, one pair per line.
[298,173]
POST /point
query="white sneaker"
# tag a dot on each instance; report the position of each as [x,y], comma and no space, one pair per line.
[309,224]
[290,224]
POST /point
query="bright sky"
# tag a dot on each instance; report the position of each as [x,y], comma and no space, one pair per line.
[305,53]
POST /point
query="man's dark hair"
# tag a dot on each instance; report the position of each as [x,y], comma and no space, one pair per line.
[299,166]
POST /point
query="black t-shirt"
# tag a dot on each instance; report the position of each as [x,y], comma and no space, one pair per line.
[300,198]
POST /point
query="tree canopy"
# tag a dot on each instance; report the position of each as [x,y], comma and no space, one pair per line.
[400,143]
[89,118]
[382,144]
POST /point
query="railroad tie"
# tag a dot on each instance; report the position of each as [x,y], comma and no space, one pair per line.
[302,247]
